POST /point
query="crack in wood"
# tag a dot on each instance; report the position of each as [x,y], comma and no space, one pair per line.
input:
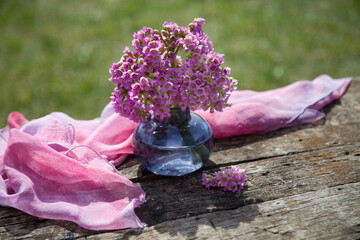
[212,224]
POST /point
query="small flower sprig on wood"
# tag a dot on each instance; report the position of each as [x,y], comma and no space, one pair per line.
[231,179]
[174,67]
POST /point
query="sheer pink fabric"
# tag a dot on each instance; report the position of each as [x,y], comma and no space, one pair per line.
[260,112]
[57,167]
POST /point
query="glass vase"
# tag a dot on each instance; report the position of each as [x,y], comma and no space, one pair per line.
[173,146]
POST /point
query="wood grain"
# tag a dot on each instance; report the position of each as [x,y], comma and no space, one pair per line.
[329,213]
[269,179]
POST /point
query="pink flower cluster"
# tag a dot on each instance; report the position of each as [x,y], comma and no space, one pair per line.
[231,179]
[174,67]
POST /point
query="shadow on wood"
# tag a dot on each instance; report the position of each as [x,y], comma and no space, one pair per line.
[19,224]
[171,198]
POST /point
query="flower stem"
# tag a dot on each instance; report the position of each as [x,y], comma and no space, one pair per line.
[177,118]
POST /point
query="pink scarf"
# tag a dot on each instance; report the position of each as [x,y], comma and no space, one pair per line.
[57,167]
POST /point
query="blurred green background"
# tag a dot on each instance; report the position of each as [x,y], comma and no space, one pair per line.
[55,55]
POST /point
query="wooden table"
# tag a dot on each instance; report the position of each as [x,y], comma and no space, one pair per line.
[303,183]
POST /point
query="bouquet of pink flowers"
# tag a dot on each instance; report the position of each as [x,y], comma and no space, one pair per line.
[174,67]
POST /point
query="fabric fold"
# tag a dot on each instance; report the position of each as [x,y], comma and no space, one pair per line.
[57,167]
[260,112]
[45,183]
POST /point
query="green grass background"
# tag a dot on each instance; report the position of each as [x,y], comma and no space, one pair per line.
[55,55]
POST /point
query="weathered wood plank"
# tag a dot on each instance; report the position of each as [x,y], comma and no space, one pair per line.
[329,213]
[251,148]
[269,179]
[19,225]
[182,197]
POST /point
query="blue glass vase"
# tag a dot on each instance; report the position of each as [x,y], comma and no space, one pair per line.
[173,146]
